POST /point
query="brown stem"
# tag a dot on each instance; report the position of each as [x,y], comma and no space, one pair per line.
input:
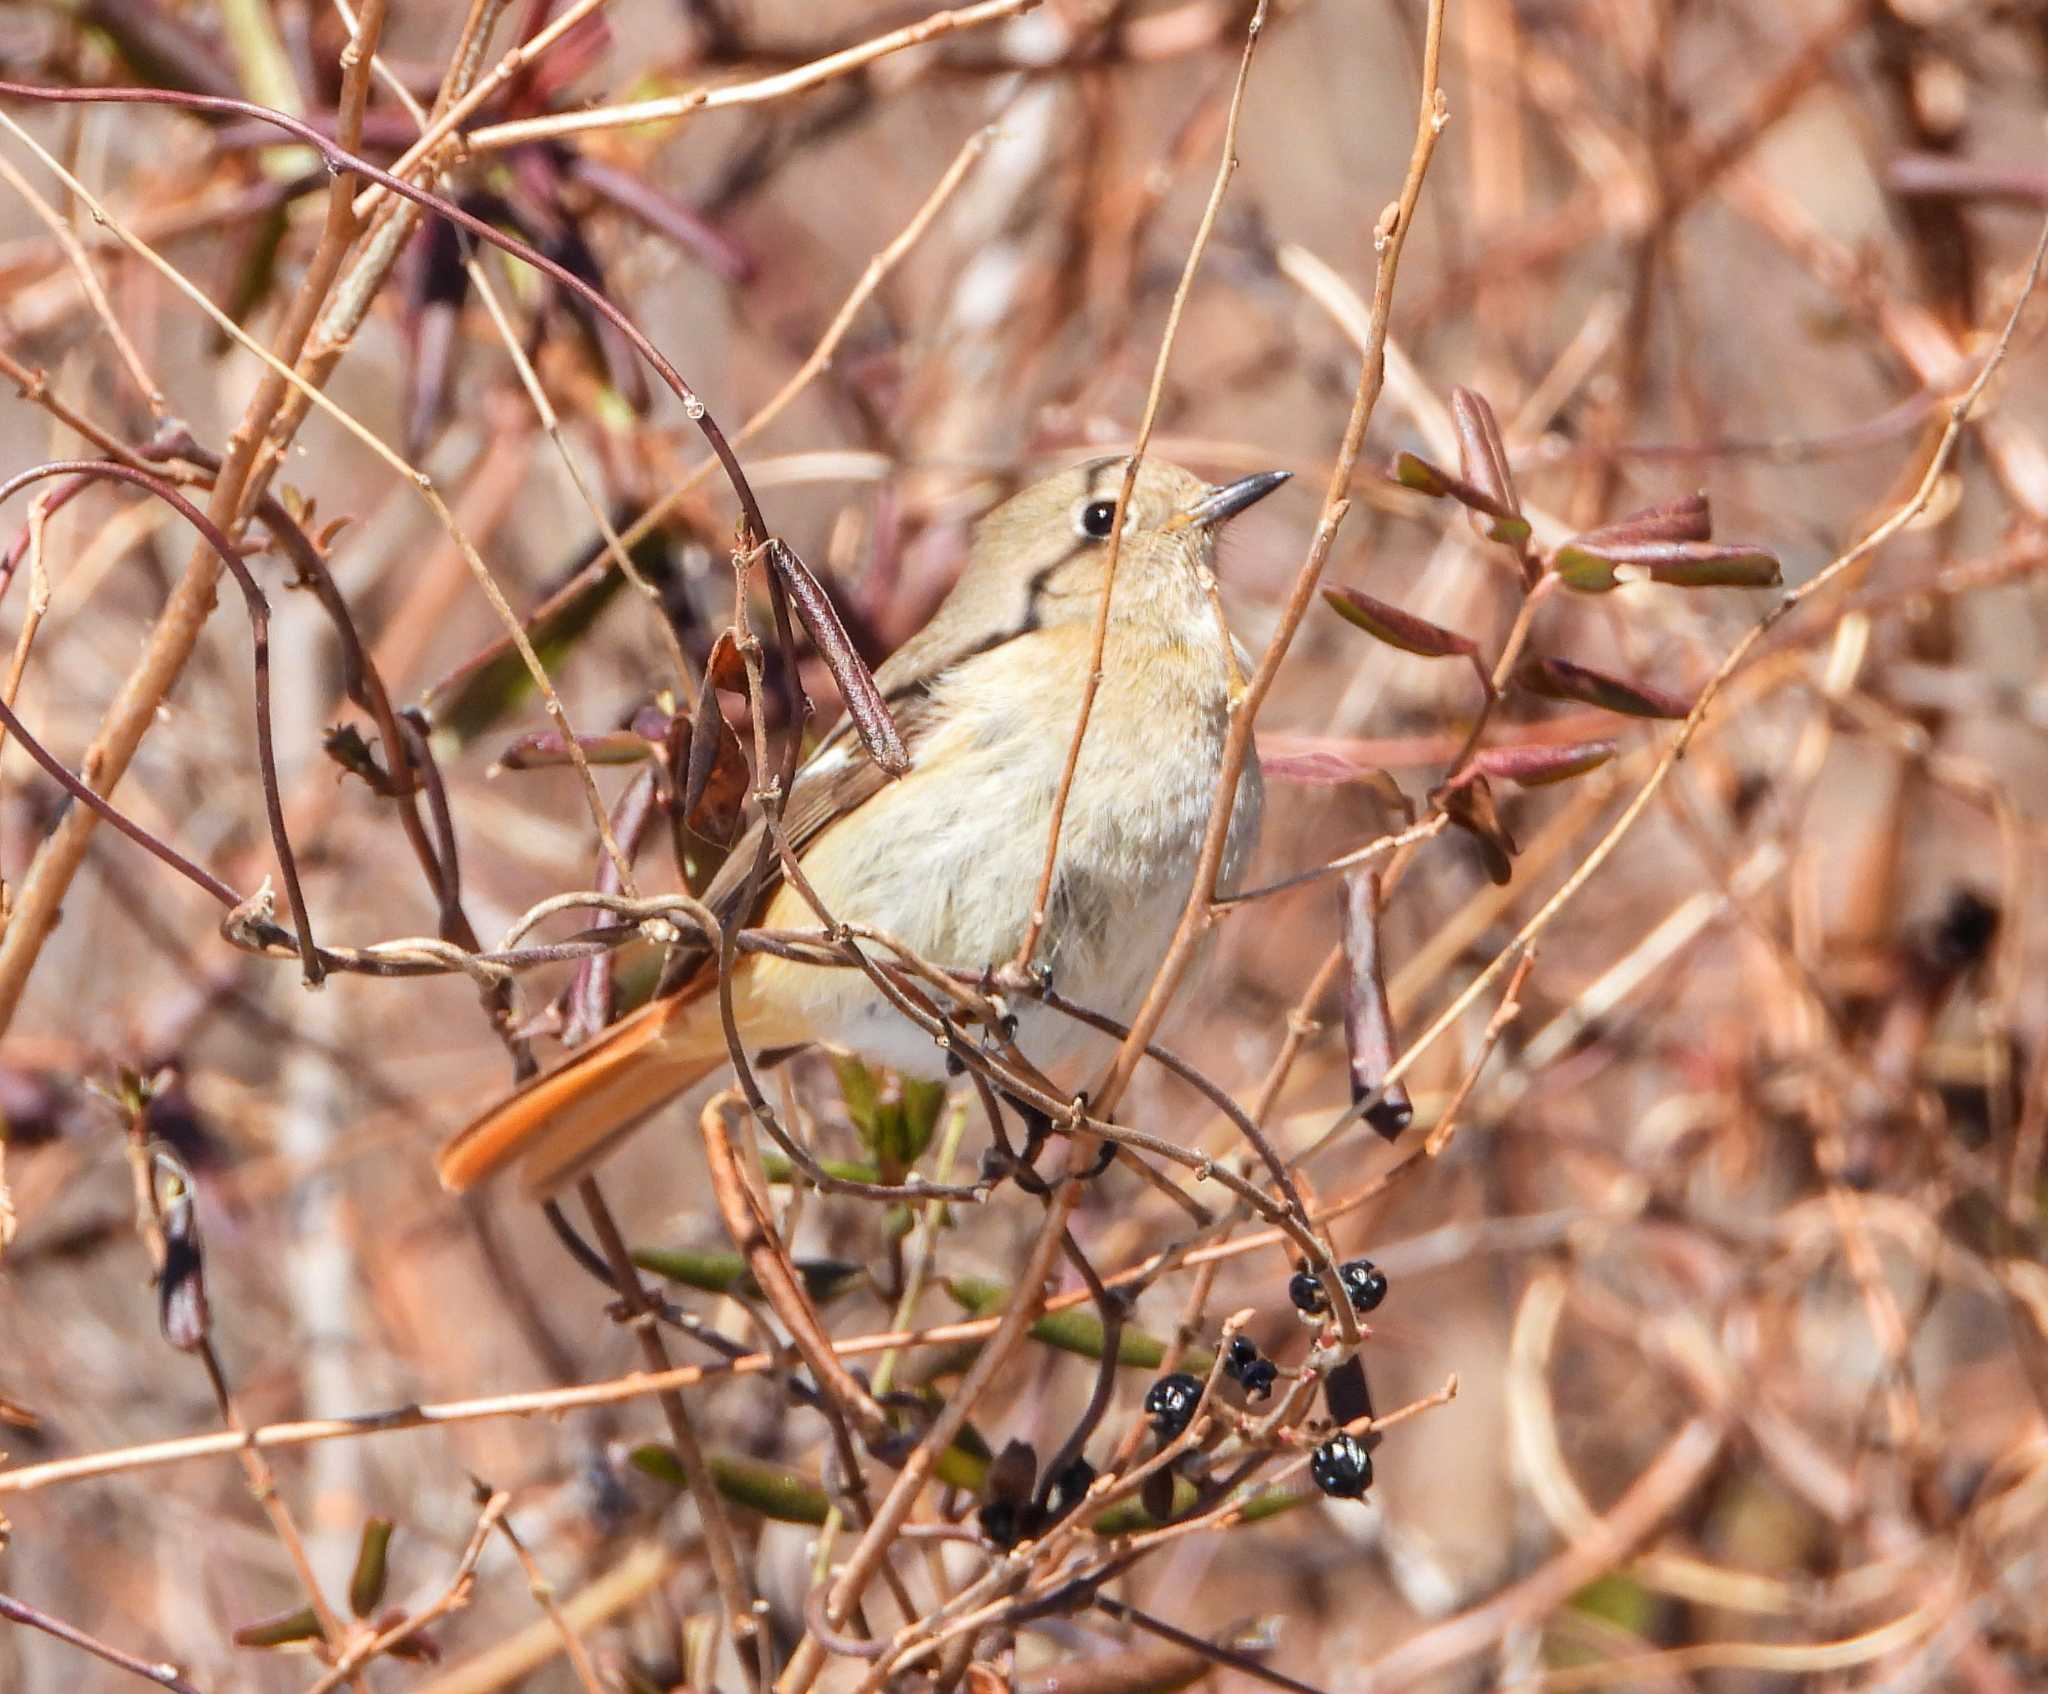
[40,895]
[718,1538]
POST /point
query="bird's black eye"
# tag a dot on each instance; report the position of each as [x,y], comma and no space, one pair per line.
[1098,518]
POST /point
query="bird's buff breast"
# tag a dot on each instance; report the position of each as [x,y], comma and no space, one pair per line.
[948,858]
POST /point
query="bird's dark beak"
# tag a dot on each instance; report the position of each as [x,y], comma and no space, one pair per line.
[1226,500]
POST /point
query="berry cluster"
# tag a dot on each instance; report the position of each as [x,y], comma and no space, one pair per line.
[1363,1281]
[1342,1466]
[1243,1365]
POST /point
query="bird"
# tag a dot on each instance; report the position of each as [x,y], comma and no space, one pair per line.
[947,857]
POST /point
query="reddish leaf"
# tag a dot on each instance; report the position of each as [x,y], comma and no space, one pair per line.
[667,216]
[1560,679]
[1313,767]
[1398,628]
[1482,455]
[417,1648]
[1368,1021]
[1534,766]
[571,56]
[1687,518]
[1411,470]
[1419,474]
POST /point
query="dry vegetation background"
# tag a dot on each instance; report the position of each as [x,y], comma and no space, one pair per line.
[1736,1253]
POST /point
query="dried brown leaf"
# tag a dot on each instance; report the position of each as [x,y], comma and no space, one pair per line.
[864,702]
[1368,1020]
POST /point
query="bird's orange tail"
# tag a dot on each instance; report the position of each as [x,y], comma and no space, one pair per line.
[559,1124]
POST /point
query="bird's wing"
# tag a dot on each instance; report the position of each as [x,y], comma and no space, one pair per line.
[985,611]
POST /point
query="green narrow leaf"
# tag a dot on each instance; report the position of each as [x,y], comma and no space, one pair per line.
[1690,565]
[1619,1600]
[775,1491]
[923,1101]
[726,1273]
[300,1625]
[957,1468]
[366,1583]
[778,1168]
[714,1273]
[1128,1517]
[863,1097]
[486,689]
[1593,566]
[1579,567]
[1411,470]
[1076,1330]
[1271,1502]
[894,1114]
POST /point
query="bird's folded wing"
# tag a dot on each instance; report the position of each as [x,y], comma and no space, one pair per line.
[839,777]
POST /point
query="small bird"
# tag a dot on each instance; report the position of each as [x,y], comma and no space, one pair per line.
[947,857]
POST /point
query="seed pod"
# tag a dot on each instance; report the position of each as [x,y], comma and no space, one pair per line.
[182,1311]
[1368,1019]
[1346,1395]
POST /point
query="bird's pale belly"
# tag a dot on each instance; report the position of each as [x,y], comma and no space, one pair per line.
[964,862]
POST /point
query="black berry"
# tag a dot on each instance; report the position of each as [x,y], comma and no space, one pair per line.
[1306,1291]
[1342,1468]
[1170,1403]
[1365,1282]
